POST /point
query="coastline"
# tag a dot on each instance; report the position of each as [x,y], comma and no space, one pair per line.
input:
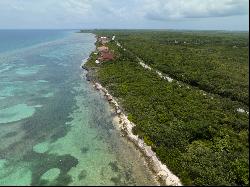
[160,170]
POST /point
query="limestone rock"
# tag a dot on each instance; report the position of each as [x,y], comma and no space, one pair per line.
[118,111]
[148,151]
[109,98]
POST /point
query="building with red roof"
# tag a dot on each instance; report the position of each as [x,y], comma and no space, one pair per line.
[106,56]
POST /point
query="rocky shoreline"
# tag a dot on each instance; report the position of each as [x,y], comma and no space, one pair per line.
[162,173]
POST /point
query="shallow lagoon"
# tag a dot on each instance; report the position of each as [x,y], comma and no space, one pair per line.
[55,129]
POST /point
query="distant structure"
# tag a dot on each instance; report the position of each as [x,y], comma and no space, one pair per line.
[103,39]
[102,49]
[118,44]
[106,56]
[113,38]
[104,53]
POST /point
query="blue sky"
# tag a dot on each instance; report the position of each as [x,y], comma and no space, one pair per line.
[127,14]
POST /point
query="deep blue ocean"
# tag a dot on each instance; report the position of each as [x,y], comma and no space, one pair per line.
[16,39]
[55,129]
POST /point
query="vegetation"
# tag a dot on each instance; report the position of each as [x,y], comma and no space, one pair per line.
[201,138]
[216,62]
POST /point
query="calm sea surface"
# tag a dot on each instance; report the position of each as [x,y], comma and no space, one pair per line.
[55,129]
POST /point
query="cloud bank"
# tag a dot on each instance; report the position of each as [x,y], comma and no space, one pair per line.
[119,14]
[191,9]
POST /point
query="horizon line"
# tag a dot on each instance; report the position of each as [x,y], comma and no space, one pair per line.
[124,29]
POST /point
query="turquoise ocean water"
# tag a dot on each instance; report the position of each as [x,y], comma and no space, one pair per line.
[55,129]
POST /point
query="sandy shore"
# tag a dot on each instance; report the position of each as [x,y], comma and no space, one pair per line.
[162,173]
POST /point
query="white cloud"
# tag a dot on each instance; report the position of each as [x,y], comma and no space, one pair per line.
[112,13]
[183,9]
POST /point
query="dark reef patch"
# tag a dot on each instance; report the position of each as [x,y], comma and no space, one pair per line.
[114,166]
[82,175]
[41,163]
[10,134]
[84,150]
[117,180]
